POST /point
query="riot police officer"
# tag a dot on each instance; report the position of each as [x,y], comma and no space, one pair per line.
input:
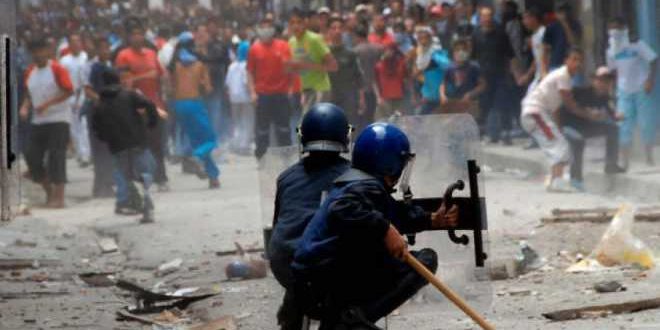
[349,261]
[324,134]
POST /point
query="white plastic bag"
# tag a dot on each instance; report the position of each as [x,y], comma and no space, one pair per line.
[619,246]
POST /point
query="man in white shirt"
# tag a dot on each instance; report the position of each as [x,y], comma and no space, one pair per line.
[533,21]
[75,63]
[635,65]
[539,108]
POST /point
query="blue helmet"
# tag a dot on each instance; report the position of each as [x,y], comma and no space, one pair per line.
[324,128]
[382,149]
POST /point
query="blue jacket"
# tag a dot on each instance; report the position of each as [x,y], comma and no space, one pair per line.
[349,228]
[298,196]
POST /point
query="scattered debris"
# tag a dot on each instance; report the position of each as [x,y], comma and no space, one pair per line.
[24,243]
[527,259]
[124,315]
[603,310]
[39,277]
[11,264]
[31,294]
[503,269]
[173,316]
[98,279]
[609,286]
[508,212]
[224,323]
[108,245]
[619,246]
[151,302]
[520,292]
[245,267]
[169,267]
[586,265]
[233,252]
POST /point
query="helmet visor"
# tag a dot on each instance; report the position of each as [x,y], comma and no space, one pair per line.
[404,180]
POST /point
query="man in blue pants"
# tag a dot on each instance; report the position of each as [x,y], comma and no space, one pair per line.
[190,77]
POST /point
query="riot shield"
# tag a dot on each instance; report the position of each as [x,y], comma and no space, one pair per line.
[271,164]
[447,150]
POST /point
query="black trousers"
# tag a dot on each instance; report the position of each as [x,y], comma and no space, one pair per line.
[349,100]
[375,288]
[103,166]
[156,143]
[46,152]
[578,131]
[272,110]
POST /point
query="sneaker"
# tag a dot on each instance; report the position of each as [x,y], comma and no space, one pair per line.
[163,187]
[125,210]
[578,185]
[560,186]
[616,169]
[214,184]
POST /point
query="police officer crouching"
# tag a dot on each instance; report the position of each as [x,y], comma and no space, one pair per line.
[348,265]
[324,134]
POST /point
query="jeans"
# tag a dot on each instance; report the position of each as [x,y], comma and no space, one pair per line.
[135,164]
[638,108]
[192,116]
[497,106]
[272,110]
[220,115]
[296,116]
[429,106]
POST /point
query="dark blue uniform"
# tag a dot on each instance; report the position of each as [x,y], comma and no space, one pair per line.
[342,254]
[299,191]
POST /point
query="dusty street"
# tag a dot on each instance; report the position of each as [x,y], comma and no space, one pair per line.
[193,224]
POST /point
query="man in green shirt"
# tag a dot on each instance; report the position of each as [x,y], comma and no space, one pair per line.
[312,59]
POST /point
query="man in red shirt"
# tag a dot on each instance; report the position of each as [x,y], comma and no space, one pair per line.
[380,36]
[270,85]
[142,71]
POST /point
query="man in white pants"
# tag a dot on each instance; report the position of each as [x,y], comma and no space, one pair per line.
[75,63]
[541,106]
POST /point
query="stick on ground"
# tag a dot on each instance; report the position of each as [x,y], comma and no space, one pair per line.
[603,310]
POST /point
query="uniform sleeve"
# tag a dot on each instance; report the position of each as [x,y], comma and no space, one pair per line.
[356,214]
[410,219]
[646,52]
[62,77]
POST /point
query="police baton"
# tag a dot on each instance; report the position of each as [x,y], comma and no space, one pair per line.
[445,290]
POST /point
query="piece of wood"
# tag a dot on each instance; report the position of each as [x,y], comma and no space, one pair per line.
[603,310]
[235,252]
[108,245]
[12,264]
[126,315]
[449,293]
[223,323]
[31,294]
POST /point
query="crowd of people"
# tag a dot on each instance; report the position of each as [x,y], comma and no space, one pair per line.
[206,80]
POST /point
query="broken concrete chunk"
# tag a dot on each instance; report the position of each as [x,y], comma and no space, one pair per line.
[224,323]
[169,267]
[108,245]
[609,286]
